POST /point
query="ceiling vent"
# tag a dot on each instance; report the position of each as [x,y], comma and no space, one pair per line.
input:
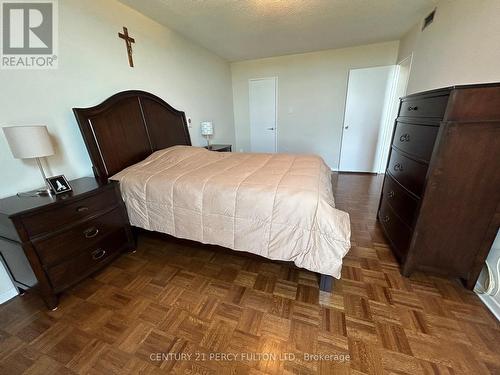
[428,20]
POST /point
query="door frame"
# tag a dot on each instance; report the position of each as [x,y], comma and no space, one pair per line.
[385,112]
[276,128]
[392,110]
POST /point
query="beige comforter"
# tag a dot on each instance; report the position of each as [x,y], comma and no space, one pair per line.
[279,206]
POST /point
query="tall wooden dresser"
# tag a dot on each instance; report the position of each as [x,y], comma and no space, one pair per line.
[440,202]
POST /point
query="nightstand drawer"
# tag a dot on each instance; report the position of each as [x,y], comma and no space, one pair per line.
[51,219]
[62,246]
[65,274]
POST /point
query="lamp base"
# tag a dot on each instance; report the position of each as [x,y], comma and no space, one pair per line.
[43,192]
[35,193]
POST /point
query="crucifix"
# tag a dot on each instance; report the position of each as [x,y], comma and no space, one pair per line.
[128,41]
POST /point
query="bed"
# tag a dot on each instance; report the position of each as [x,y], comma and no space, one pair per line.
[279,206]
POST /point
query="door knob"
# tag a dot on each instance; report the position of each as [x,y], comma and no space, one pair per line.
[270,128]
[346,127]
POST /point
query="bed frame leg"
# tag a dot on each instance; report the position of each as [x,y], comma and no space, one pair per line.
[325,283]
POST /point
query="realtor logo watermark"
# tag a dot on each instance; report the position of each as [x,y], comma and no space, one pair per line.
[29,34]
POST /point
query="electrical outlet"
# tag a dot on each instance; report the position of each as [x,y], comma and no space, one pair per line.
[190,125]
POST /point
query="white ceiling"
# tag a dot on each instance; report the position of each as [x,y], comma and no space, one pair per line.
[248,29]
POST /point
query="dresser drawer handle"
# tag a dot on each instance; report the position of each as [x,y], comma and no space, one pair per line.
[398,167]
[82,209]
[91,232]
[410,108]
[386,219]
[405,138]
[391,194]
[98,254]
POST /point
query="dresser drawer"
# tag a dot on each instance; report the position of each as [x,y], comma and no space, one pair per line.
[424,107]
[67,273]
[408,172]
[403,203]
[417,140]
[52,219]
[398,233]
[64,245]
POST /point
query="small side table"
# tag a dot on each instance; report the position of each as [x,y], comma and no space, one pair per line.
[49,243]
[219,148]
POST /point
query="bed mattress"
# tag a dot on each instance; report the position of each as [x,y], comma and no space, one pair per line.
[279,206]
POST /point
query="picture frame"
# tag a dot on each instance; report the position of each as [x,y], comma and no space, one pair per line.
[59,184]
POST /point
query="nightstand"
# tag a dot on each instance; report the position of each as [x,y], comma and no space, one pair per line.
[49,243]
[219,148]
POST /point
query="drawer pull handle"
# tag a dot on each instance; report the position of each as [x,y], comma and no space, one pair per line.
[405,138]
[410,108]
[98,254]
[391,194]
[386,219]
[82,209]
[91,232]
[398,167]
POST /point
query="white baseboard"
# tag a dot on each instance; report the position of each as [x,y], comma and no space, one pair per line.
[491,303]
[8,294]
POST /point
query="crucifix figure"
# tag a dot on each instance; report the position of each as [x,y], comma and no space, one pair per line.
[128,41]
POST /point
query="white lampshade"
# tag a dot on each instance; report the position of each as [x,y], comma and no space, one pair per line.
[29,141]
[207,128]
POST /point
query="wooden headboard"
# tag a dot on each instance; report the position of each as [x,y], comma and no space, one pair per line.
[128,127]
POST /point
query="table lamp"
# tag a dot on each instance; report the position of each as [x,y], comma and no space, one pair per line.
[30,142]
[207,130]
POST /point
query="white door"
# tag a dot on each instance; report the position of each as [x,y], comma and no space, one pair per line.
[262,107]
[367,94]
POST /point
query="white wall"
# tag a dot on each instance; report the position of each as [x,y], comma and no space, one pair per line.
[311,96]
[461,46]
[92,66]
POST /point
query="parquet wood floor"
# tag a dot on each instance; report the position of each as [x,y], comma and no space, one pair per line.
[197,302]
